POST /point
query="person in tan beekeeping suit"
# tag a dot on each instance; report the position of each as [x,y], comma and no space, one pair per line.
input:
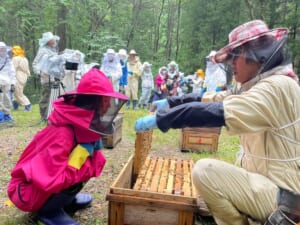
[265,113]
[134,66]
[22,73]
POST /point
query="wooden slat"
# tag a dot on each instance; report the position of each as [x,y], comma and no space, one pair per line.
[172,204]
[116,213]
[142,148]
[129,193]
[187,185]
[124,177]
[171,177]
[156,175]
[178,178]
[194,191]
[185,218]
[164,176]
[142,174]
[148,177]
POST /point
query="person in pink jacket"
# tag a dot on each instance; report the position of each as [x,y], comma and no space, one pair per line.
[63,156]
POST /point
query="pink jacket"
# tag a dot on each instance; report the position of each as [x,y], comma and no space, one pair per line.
[43,168]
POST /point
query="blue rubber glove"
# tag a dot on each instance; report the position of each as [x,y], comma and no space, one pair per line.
[145,123]
[130,72]
[160,104]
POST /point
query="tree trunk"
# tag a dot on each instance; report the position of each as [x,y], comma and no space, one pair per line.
[249,4]
[178,28]
[170,27]
[262,9]
[134,21]
[62,26]
[157,29]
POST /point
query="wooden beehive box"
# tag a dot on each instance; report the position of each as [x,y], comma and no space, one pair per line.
[152,190]
[199,139]
[110,141]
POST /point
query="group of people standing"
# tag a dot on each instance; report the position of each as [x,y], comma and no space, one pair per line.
[124,71]
[64,70]
[14,72]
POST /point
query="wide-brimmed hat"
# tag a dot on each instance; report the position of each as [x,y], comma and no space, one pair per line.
[46,37]
[122,52]
[110,51]
[247,32]
[94,82]
[132,52]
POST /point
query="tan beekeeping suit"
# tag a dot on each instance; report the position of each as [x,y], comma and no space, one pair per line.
[131,90]
[267,120]
[22,73]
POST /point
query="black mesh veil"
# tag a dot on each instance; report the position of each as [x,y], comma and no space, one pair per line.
[265,50]
[105,110]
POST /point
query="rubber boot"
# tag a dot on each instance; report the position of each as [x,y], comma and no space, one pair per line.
[127,105]
[52,212]
[57,217]
[27,108]
[134,105]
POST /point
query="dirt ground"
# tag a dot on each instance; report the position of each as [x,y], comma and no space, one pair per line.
[12,143]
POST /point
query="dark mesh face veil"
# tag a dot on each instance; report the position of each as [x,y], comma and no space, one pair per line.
[266,51]
[105,110]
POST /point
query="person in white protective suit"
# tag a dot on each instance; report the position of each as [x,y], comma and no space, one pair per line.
[42,66]
[74,68]
[112,68]
[215,75]
[7,83]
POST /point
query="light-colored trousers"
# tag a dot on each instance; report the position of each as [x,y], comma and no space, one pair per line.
[5,101]
[131,90]
[19,92]
[232,194]
[145,97]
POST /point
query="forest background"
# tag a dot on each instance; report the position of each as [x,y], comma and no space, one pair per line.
[159,30]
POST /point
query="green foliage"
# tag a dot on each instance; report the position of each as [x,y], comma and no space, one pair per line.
[149,27]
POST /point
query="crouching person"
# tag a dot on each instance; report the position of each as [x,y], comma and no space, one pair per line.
[265,113]
[63,156]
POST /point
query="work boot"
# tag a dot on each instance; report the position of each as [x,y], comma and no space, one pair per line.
[127,105]
[81,201]
[53,213]
[15,105]
[27,108]
[134,105]
[57,217]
